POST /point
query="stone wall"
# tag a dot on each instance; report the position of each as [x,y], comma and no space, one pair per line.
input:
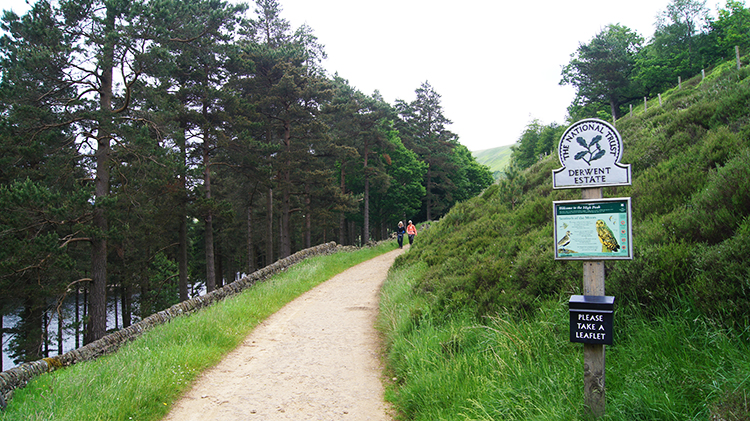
[18,376]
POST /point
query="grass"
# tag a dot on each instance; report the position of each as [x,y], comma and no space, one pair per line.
[144,378]
[677,366]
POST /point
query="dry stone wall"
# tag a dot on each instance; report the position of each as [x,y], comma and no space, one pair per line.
[18,376]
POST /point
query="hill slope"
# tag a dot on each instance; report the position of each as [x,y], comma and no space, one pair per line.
[683,299]
[691,198]
[497,159]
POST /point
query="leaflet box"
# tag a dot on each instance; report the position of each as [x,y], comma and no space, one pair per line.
[591,319]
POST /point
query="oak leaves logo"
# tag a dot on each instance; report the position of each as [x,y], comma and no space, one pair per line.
[593,150]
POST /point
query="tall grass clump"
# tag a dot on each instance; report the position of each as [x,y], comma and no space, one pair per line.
[664,366]
[144,378]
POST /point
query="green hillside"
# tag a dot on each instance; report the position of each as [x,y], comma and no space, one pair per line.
[497,159]
[479,303]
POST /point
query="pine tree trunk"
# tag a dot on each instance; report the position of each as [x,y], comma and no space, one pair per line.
[308,218]
[97,326]
[183,237]
[250,244]
[31,329]
[209,220]
[126,310]
[78,317]
[219,266]
[182,258]
[285,241]
[59,333]
[342,217]
[613,108]
[366,229]
[285,245]
[269,226]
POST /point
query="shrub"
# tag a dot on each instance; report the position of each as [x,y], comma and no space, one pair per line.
[718,210]
[722,281]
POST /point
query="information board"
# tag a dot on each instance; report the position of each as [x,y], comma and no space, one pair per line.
[597,229]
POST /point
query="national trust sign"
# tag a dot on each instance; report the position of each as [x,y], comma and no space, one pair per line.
[590,152]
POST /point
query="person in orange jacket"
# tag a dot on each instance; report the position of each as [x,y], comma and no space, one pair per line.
[411,231]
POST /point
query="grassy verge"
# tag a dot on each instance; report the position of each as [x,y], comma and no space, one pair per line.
[677,366]
[143,379]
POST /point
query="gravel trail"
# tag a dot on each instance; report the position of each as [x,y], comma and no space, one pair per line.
[315,359]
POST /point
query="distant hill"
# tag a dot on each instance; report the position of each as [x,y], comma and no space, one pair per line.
[496,158]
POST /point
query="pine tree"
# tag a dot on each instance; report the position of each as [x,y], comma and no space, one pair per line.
[424,131]
[287,91]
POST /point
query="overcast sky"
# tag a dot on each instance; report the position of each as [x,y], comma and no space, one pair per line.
[496,64]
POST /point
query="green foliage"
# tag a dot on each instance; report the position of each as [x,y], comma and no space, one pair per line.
[536,142]
[405,172]
[452,172]
[730,28]
[602,70]
[472,177]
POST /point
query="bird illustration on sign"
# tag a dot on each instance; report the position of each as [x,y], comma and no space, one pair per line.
[606,237]
[564,242]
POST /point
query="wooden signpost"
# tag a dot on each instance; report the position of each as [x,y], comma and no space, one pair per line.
[593,229]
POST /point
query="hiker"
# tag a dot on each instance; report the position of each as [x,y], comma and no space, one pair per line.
[411,230]
[400,234]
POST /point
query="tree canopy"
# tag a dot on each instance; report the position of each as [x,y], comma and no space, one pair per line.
[155,149]
[617,68]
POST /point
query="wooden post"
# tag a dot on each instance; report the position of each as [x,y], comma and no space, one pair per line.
[645,104]
[703,74]
[679,82]
[660,100]
[593,354]
[631,110]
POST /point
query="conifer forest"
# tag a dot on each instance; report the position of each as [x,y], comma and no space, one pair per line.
[150,150]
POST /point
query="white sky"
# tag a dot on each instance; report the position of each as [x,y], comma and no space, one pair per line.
[496,64]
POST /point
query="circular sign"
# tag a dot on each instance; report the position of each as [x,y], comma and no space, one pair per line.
[590,152]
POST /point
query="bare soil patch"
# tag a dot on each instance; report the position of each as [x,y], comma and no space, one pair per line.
[315,359]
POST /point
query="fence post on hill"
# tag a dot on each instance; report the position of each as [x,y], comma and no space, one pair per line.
[592,230]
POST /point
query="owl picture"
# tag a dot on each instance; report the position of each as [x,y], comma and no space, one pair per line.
[607,238]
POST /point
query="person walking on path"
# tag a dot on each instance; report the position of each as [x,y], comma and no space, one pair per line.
[411,230]
[400,234]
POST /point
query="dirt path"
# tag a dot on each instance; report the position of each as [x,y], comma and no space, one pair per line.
[315,359]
